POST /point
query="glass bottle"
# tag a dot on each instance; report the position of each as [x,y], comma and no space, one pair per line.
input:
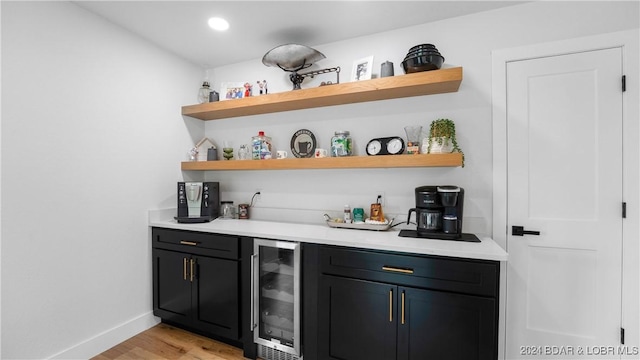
[203,93]
[244,153]
[347,214]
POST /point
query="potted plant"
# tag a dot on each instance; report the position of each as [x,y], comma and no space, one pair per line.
[442,138]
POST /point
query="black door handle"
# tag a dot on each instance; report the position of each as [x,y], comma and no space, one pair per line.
[520,231]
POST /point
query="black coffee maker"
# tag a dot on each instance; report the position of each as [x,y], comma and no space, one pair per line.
[198,202]
[438,211]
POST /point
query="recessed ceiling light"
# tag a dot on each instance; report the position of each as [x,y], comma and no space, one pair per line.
[218,24]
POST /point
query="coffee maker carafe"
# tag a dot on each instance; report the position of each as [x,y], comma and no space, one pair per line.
[438,211]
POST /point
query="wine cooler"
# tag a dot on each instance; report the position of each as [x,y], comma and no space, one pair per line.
[275,310]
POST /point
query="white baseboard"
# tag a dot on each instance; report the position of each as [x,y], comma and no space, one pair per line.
[109,338]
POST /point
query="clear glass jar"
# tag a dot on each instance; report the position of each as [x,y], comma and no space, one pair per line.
[261,147]
[227,210]
[341,144]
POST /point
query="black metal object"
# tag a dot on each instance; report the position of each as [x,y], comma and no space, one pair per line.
[520,231]
[297,78]
[293,58]
[439,236]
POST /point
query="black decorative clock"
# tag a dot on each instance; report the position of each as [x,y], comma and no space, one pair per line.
[386,146]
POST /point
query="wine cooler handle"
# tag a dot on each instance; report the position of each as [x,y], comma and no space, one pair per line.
[253,298]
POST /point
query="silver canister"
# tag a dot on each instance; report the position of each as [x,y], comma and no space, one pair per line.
[386,69]
[212,154]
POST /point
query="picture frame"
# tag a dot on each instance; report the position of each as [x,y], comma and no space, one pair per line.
[362,69]
[233,90]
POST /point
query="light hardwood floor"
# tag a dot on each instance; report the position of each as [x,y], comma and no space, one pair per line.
[165,342]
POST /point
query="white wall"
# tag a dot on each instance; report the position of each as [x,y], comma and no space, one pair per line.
[465,41]
[92,138]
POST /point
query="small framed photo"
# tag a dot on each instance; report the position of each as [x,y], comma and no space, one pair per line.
[362,69]
[234,90]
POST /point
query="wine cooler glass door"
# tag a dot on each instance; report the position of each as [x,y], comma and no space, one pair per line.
[276,295]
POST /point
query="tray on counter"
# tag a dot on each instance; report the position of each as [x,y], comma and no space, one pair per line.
[361,226]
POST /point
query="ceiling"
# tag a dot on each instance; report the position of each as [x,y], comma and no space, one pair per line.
[258,26]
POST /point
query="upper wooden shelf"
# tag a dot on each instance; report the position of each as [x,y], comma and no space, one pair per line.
[350,162]
[393,87]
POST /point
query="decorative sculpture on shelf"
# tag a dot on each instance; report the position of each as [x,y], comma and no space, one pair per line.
[293,58]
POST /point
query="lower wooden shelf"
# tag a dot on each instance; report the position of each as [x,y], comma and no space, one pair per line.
[350,162]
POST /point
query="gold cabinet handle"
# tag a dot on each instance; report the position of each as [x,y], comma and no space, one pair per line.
[399,270]
[192,263]
[192,243]
[184,268]
[391,305]
[402,318]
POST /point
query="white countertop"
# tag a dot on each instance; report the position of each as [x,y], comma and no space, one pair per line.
[486,249]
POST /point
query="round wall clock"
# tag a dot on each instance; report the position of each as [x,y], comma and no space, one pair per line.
[303,144]
[386,146]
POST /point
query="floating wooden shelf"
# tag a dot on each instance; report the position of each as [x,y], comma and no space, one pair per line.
[393,87]
[350,162]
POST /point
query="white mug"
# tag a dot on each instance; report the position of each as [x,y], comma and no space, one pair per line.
[320,153]
[281,154]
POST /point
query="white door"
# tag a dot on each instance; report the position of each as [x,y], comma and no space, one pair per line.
[564,125]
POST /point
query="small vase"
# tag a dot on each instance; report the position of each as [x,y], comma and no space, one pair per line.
[445,148]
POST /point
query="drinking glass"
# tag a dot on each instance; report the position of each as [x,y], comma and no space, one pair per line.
[413,138]
[227,150]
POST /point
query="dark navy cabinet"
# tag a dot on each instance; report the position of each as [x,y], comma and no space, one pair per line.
[196,281]
[387,305]
[356,303]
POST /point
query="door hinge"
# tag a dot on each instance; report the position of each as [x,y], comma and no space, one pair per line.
[622,335]
[624,210]
[624,83]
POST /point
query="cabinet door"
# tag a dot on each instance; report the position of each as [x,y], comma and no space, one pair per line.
[357,319]
[171,285]
[215,296]
[442,326]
